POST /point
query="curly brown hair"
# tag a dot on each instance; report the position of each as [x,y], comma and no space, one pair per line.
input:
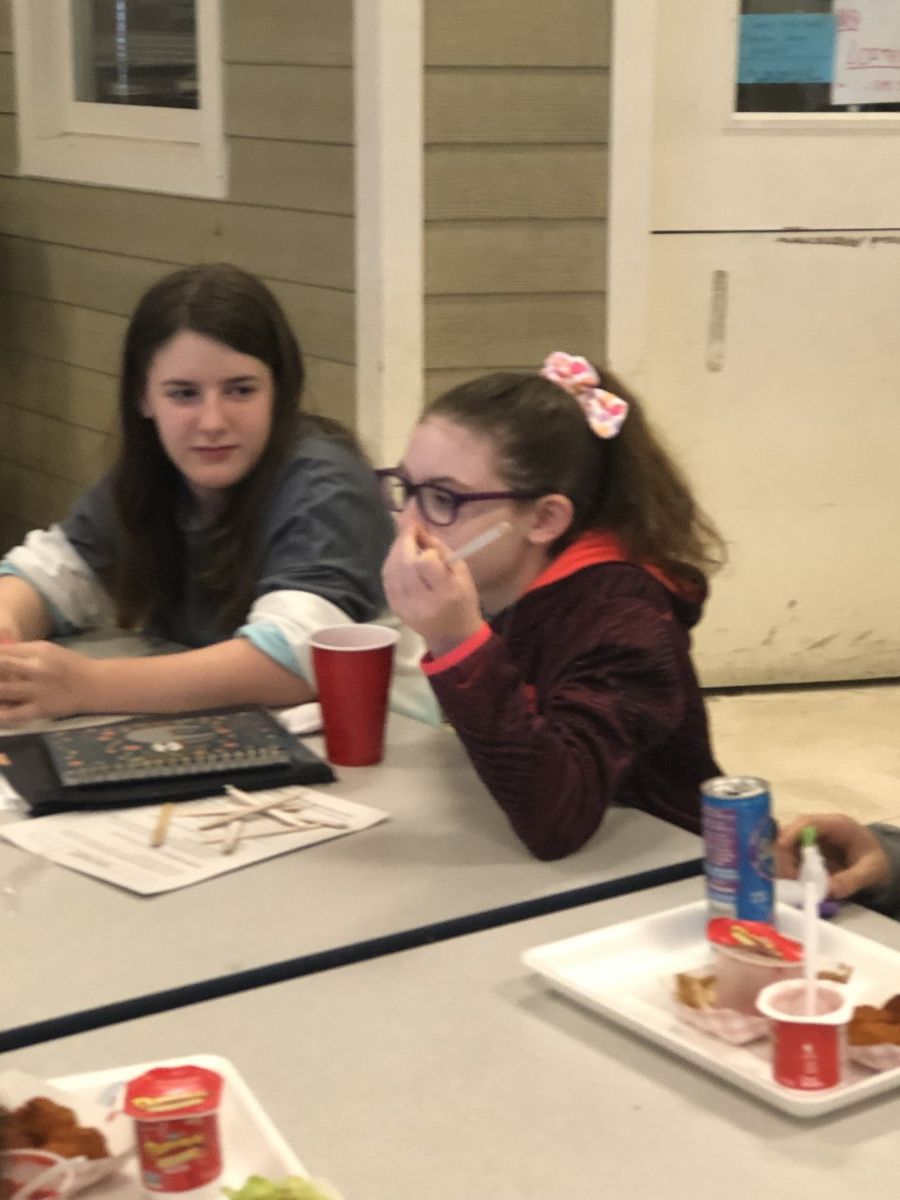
[628,485]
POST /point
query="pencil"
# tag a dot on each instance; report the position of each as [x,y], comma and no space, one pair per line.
[158,837]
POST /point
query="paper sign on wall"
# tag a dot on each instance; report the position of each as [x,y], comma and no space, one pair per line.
[867,52]
[786,48]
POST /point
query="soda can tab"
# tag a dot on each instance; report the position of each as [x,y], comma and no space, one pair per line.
[175,1110]
[738,836]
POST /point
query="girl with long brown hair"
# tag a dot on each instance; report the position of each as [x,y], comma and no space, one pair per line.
[232,523]
[560,650]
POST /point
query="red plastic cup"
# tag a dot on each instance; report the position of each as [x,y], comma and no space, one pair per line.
[808,1049]
[353,664]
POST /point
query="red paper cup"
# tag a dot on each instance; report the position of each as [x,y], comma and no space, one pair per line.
[808,1050]
[352,664]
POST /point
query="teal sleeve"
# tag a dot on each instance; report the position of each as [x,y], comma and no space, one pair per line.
[272,642]
[61,627]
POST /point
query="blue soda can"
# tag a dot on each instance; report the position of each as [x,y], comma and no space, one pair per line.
[738,835]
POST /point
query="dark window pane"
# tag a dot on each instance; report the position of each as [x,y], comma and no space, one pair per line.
[136,52]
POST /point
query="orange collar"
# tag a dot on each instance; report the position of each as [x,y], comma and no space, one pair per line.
[593,548]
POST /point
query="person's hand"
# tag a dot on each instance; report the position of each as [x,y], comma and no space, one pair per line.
[853,856]
[40,679]
[435,597]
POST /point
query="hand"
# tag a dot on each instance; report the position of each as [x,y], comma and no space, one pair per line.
[853,856]
[435,597]
[39,679]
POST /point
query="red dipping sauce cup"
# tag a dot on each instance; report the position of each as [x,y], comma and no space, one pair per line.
[175,1110]
[808,1049]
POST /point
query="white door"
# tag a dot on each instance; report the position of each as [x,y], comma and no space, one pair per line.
[764,332]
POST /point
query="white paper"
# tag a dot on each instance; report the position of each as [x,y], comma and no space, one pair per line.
[115,846]
[866,52]
[301,719]
[10,800]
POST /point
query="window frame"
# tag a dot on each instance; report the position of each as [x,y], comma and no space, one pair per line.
[140,147]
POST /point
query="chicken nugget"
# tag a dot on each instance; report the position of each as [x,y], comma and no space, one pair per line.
[16,1139]
[866,1012]
[78,1142]
[872,1033]
[41,1117]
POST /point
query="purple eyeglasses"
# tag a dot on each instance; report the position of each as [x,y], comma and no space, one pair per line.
[438,504]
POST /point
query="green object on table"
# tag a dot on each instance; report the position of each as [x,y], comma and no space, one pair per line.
[291,1188]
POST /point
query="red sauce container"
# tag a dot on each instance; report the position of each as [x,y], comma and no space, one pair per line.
[175,1110]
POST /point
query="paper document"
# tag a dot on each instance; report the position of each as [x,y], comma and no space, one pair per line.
[9,797]
[200,842]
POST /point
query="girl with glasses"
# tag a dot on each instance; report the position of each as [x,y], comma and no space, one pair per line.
[232,522]
[560,651]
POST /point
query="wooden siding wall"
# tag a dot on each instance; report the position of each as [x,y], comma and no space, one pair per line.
[74,259]
[516,125]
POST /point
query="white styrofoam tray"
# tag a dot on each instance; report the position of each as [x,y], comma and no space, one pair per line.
[251,1145]
[626,973]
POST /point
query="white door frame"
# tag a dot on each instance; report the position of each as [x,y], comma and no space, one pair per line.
[389,79]
[629,217]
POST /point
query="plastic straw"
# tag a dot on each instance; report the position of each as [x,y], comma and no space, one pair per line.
[811,868]
[479,543]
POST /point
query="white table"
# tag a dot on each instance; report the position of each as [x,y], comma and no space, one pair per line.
[445,862]
[448,1071]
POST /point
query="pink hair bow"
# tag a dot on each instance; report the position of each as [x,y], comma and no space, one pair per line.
[605,412]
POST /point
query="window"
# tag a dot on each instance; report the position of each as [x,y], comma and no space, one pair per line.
[819,56]
[125,93]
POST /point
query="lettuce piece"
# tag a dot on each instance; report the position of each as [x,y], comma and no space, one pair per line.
[292,1188]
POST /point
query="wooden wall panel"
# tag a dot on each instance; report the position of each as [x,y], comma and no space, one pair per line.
[513,256]
[442,380]
[503,106]
[312,248]
[9,146]
[521,33]
[71,394]
[322,317]
[7,83]
[485,330]
[71,275]
[299,104]
[330,389]
[303,175]
[516,163]
[32,498]
[50,446]
[289,31]
[78,336]
[514,182]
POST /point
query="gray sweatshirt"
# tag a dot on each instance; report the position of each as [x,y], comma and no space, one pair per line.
[886,899]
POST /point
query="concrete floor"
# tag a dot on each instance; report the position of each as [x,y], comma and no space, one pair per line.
[823,749]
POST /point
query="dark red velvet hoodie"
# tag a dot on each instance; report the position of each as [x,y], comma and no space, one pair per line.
[583,694]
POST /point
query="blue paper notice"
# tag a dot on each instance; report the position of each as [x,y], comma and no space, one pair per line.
[786,48]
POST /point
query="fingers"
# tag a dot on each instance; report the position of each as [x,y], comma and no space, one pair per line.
[833,827]
[17,714]
[416,559]
[852,854]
